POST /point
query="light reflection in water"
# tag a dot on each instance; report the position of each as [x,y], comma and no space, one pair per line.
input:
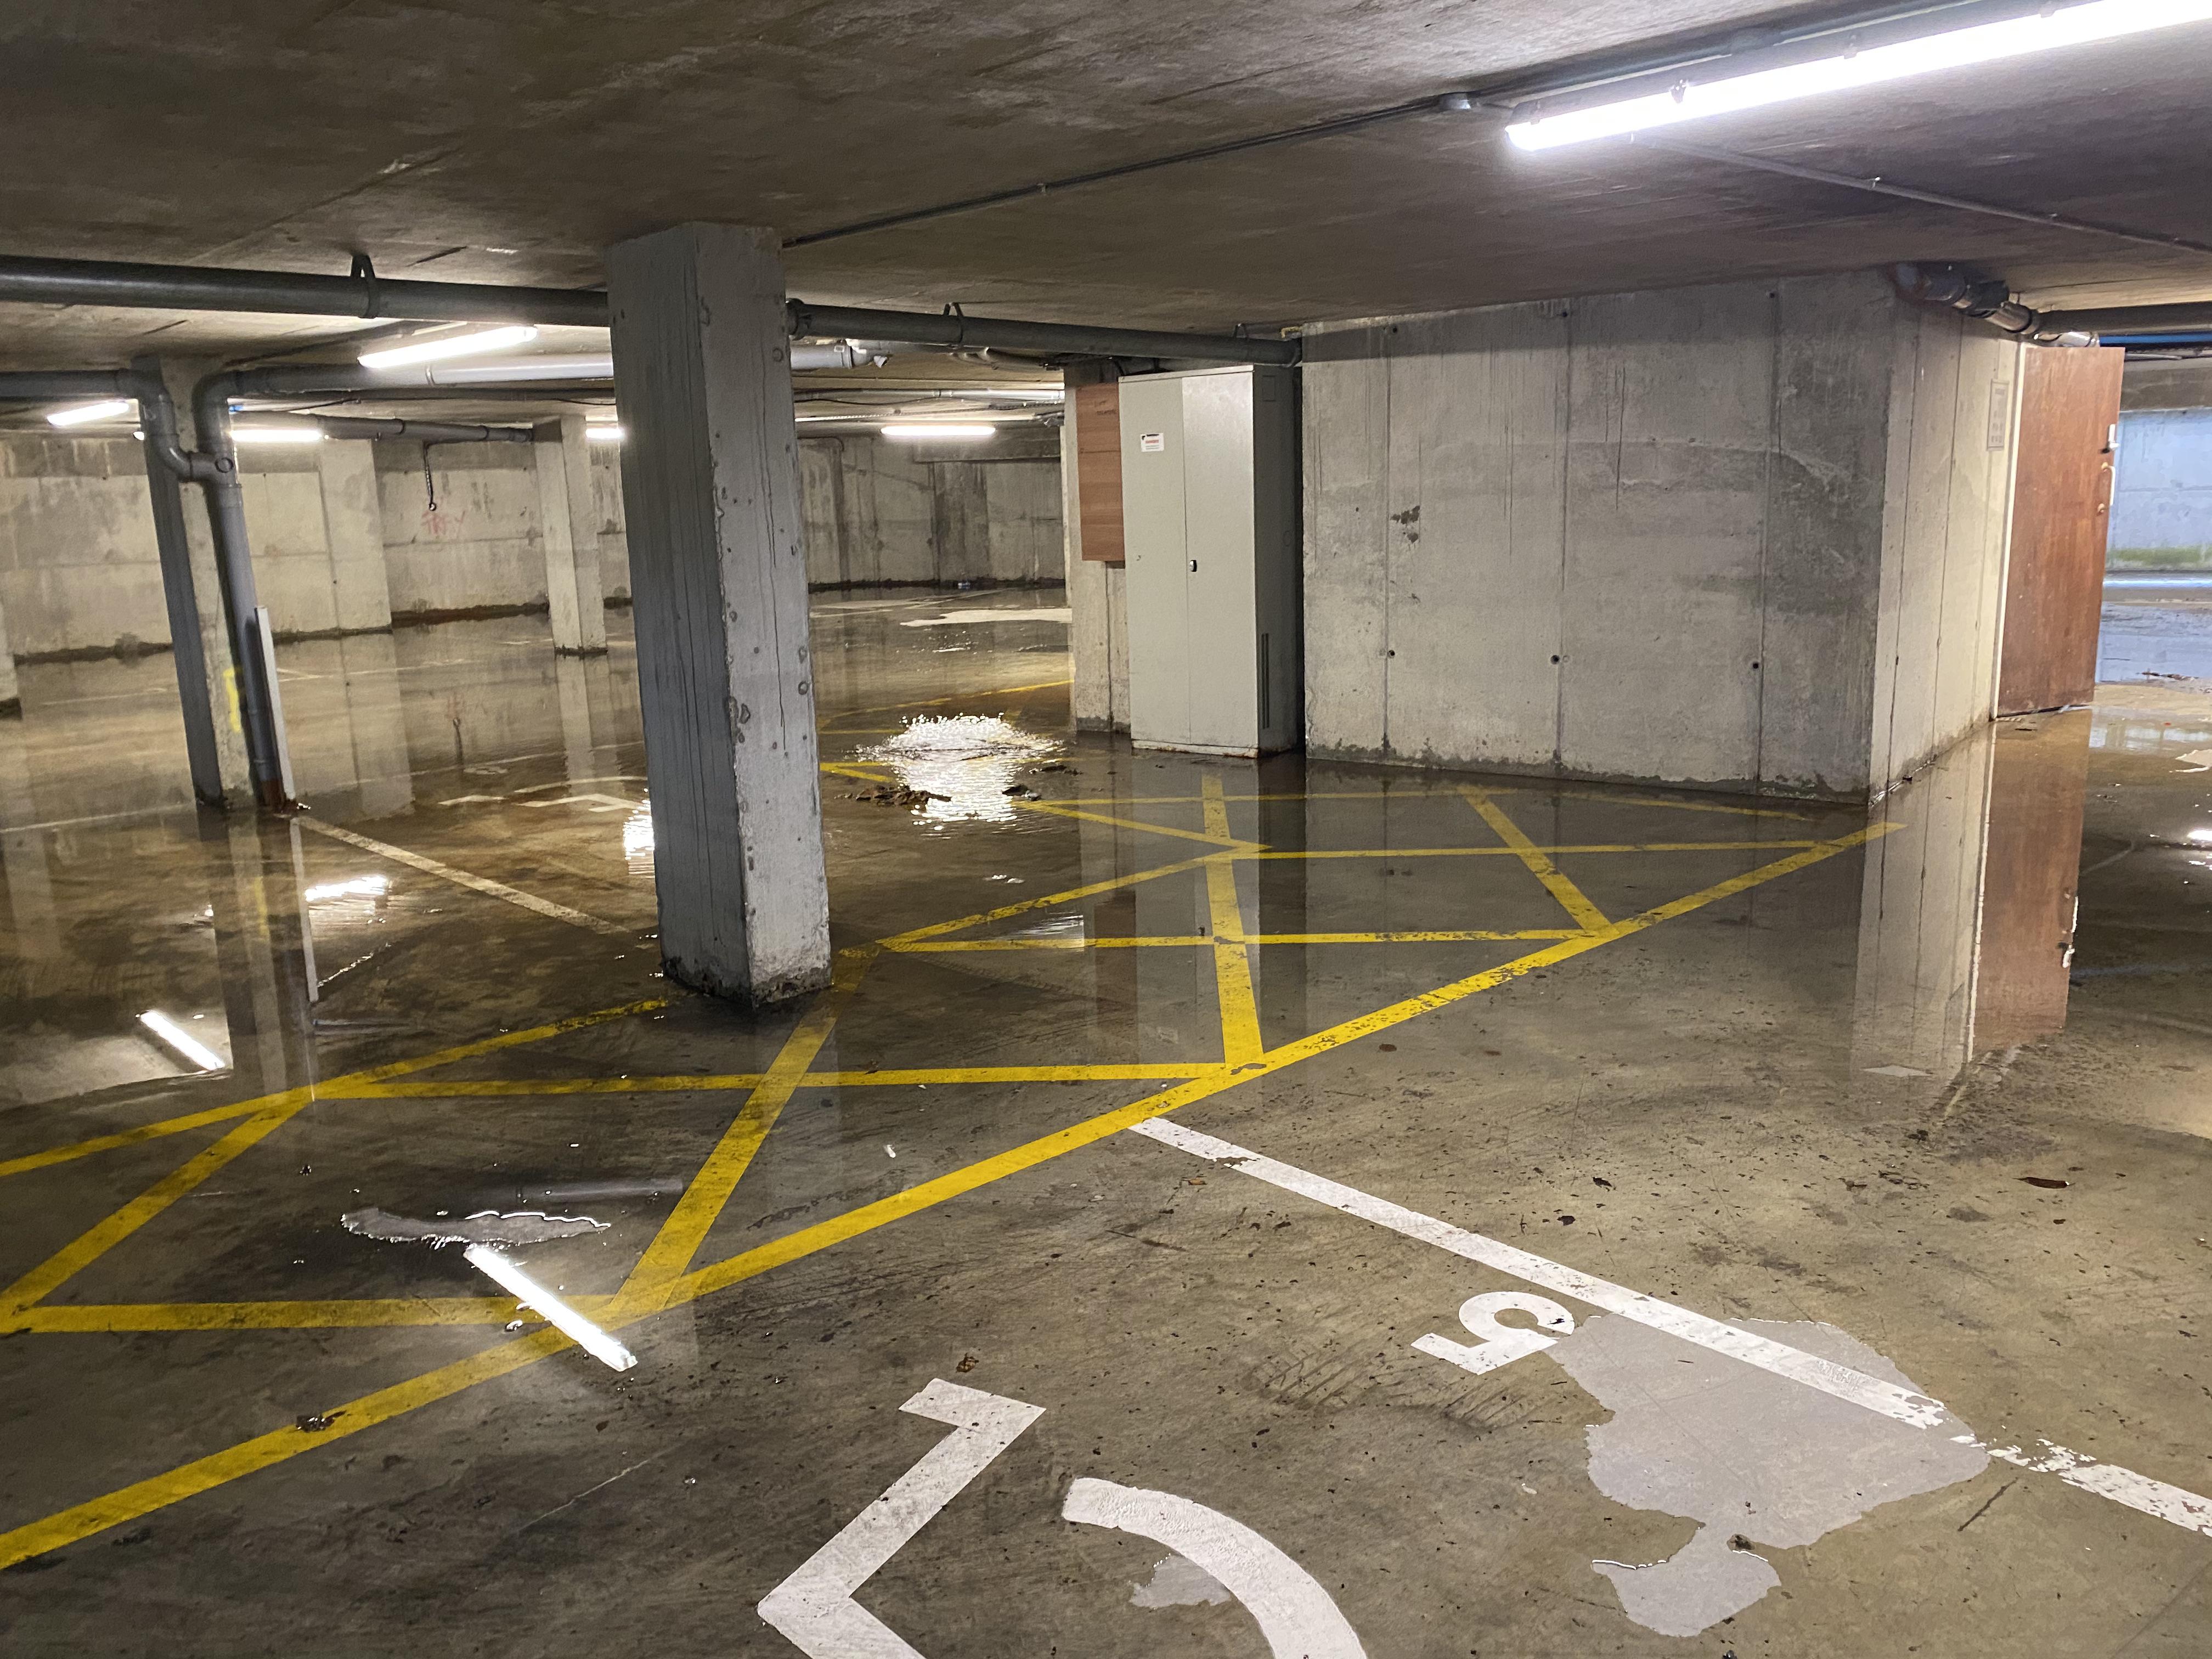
[637,839]
[972,760]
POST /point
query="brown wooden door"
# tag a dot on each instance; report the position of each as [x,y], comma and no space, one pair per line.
[2061,506]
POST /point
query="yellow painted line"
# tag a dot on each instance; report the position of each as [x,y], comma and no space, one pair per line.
[1515,852]
[1210,835]
[338,1314]
[938,929]
[1453,938]
[1444,791]
[331,1089]
[495,1087]
[1240,1041]
[1102,943]
[167,1125]
[863,771]
[277,1110]
[204,1473]
[687,1226]
[1570,897]
[708,1081]
[1134,1073]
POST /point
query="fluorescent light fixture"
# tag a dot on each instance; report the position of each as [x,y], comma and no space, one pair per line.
[83,412]
[951,431]
[503,1271]
[1730,89]
[546,366]
[276,434]
[604,417]
[600,433]
[448,345]
[194,1051]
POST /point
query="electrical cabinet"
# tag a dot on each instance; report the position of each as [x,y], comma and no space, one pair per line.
[1210,525]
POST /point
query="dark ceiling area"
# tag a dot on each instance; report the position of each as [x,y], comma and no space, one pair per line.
[509,140]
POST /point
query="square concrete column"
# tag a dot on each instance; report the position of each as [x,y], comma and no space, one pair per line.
[353,530]
[568,529]
[11,696]
[717,580]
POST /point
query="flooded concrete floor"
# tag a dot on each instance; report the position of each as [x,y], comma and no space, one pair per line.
[1232,1208]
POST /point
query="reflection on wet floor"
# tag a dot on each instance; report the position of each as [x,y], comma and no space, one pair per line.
[1879,1088]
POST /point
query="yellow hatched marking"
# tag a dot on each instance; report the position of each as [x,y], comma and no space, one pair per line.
[860,771]
[269,1113]
[687,1224]
[1453,938]
[1240,1041]
[1444,791]
[202,1474]
[1570,897]
[1106,943]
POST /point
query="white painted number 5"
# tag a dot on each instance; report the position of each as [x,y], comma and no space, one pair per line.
[1499,1345]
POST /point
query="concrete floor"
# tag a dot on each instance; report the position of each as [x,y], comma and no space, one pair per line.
[1702,1060]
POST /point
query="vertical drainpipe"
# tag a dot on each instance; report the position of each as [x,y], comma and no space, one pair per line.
[167,467]
[226,505]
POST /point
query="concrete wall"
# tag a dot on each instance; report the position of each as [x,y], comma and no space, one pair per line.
[2162,491]
[78,570]
[879,511]
[1666,537]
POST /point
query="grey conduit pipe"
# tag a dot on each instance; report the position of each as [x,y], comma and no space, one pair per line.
[428,432]
[209,287]
[234,557]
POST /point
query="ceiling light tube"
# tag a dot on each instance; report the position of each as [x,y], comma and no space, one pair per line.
[1724,87]
[195,1052]
[508,1274]
[948,430]
[101,411]
[599,432]
[449,345]
[545,365]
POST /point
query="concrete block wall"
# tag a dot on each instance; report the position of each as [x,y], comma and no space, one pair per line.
[880,512]
[1746,537]
[2162,491]
[344,537]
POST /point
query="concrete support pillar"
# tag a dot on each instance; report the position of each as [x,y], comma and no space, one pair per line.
[192,587]
[11,694]
[353,530]
[1097,594]
[568,527]
[718,575]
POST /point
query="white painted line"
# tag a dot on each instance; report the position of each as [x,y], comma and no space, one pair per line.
[1841,1381]
[462,878]
[2185,1508]
[814,1608]
[2138,1491]
[1293,1613]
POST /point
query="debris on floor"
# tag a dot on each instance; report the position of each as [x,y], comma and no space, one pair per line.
[485,1227]
[898,794]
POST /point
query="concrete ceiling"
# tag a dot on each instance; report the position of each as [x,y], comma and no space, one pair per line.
[508,141]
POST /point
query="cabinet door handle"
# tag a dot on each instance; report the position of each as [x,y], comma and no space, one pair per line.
[1193,567]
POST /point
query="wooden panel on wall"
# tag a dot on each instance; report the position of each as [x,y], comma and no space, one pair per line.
[1098,470]
[2037,794]
[2062,505]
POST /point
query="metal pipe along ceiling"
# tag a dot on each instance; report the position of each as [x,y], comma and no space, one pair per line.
[207,287]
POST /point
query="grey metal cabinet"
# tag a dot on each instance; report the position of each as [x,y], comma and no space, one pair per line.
[1210,511]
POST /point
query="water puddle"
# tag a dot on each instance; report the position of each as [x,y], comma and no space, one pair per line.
[485,1227]
[968,762]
